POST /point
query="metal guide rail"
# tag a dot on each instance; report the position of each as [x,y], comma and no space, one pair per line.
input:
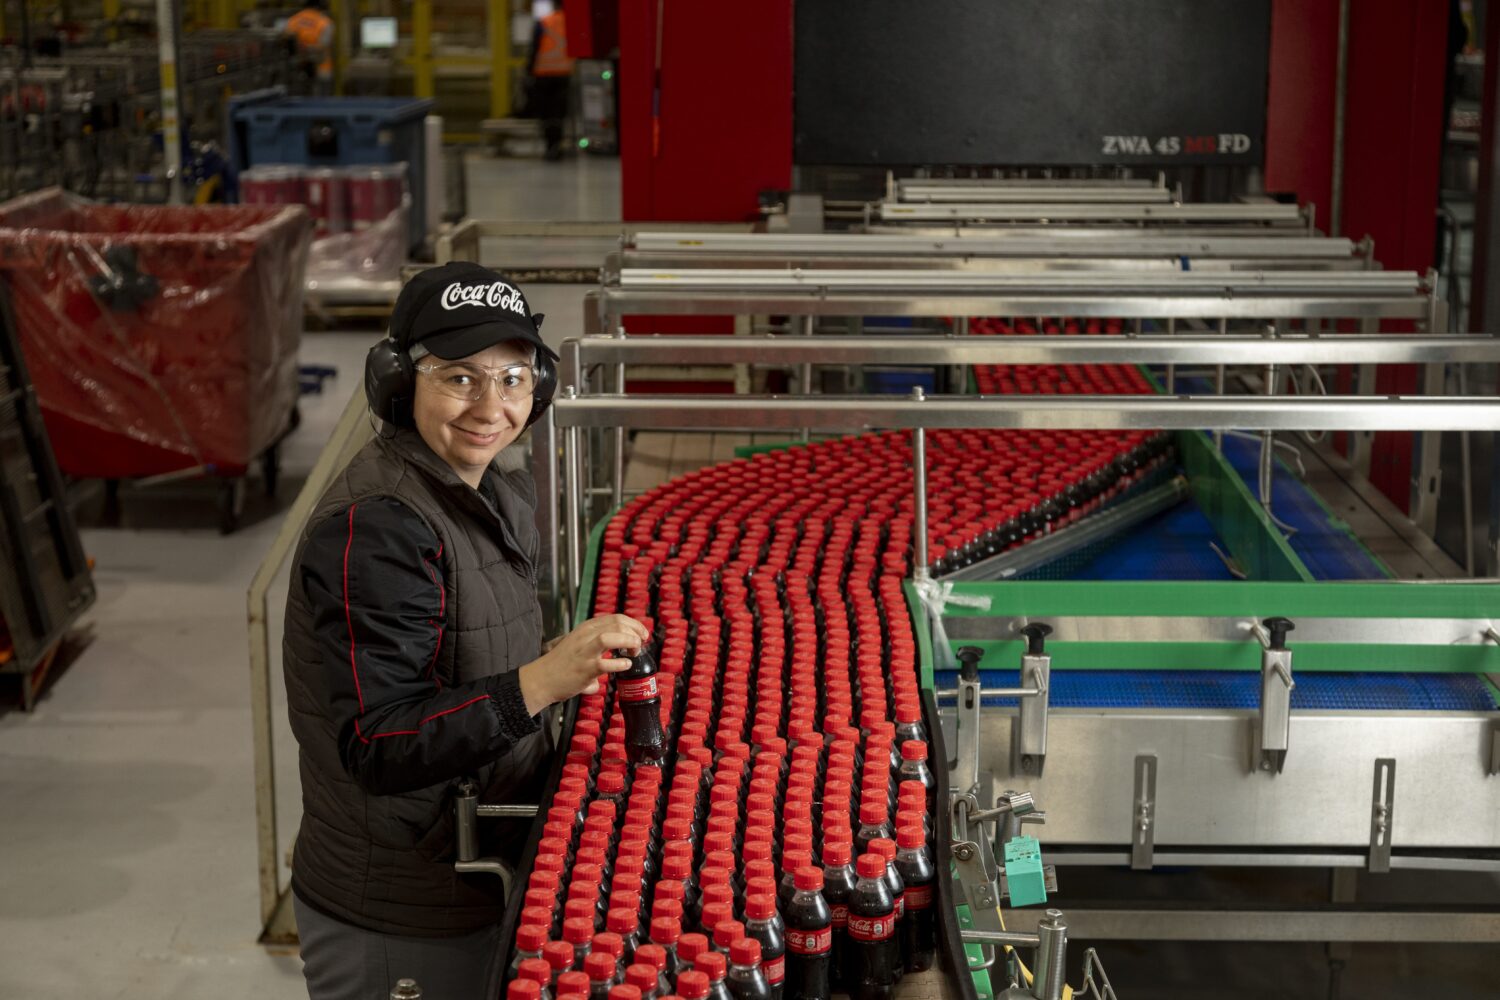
[1269,214]
[1268,295]
[1146,244]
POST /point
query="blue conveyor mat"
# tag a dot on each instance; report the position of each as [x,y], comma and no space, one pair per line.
[1328,550]
[1226,689]
[1173,545]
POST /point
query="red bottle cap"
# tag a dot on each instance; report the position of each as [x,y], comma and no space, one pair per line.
[793,861]
[911,836]
[531,938]
[526,989]
[690,946]
[671,908]
[538,970]
[871,866]
[677,868]
[599,966]
[537,915]
[677,829]
[712,965]
[573,984]
[908,711]
[665,930]
[760,907]
[809,879]
[578,930]
[727,932]
[653,955]
[584,908]
[642,977]
[587,873]
[544,898]
[885,847]
[914,750]
[610,944]
[760,869]
[745,951]
[668,890]
[625,991]
[836,853]
[559,955]
[759,851]
[873,813]
[716,913]
[621,920]
[691,985]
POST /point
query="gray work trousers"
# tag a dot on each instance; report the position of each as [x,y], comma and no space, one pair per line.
[344,962]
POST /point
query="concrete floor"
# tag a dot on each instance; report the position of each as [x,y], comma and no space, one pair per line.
[127,831]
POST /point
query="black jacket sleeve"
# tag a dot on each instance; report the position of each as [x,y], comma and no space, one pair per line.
[374,576]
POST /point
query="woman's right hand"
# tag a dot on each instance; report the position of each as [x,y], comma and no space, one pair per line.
[573,665]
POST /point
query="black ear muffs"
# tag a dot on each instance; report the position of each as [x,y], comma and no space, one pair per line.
[390,383]
[546,386]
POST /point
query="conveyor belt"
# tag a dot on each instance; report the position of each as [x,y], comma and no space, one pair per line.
[1222,689]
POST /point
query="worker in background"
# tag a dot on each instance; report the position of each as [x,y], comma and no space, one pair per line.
[413,649]
[551,75]
[312,29]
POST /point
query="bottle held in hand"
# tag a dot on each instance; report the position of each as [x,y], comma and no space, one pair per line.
[640,704]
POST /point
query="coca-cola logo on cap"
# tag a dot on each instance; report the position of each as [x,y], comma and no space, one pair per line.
[496,294]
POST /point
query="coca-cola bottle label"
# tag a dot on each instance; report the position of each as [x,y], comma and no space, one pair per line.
[900,906]
[640,689]
[918,897]
[809,942]
[775,969]
[872,928]
[840,915]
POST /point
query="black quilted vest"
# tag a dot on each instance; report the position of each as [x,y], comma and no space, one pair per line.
[385,862]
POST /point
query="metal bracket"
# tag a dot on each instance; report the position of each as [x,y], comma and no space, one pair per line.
[1382,814]
[1494,748]
[965,775]
[1031,716]
[980,891]
[467,811]
[1143,829]
[1272,738]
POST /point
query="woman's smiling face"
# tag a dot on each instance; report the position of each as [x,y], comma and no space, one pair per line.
[469,434]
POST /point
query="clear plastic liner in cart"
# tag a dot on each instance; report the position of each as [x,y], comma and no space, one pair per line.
[361,217]
[159,338]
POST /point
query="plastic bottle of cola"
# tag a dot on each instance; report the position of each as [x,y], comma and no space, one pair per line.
[764,924]
[747,981]
[809,939]
[919,927]
[640,704]
[839,880]
[874,953]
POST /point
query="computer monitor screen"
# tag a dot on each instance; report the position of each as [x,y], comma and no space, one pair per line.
[377,33]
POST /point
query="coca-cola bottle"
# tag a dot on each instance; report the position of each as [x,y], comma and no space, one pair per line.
[716,967]
[809,939]
[529,943]
[601,972]
[655,956]
[625,922]
[689,947]
[640,704]
[692,985]
[919,926]
[763,923]
[746,979]
[914,766]
[839,879]
[665,931]
[874,953]
[643,977]
[612,945]
[886,849]
[539,971]
[559,956]
[874,823]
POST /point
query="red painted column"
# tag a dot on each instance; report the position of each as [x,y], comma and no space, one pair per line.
[701,138]
[1392,145]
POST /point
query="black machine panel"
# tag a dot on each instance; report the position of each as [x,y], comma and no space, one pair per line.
[1031,82]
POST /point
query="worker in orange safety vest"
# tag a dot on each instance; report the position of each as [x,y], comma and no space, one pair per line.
[551,75]
[312,29]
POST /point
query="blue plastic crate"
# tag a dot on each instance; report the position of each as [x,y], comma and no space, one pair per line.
[899,381]
[270,128]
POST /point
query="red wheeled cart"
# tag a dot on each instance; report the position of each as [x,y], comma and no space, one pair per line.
[162,340]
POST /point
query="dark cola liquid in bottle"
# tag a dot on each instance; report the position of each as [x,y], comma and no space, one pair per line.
[919,926]
[809,939]
[874,954]
[839,880]
[640,704]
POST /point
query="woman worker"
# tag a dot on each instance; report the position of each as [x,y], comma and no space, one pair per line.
[413,648]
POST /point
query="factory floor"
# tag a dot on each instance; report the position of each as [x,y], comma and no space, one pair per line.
[127,823]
